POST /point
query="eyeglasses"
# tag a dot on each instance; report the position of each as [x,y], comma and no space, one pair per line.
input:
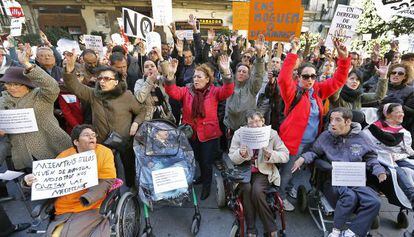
[399,73]
[307,76]
[10,85]
[247,56]
[93,135]
[105,79]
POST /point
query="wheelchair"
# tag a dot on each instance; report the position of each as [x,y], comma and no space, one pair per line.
[227,194]
[315,202]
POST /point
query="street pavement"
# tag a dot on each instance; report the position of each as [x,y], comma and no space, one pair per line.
[176,221]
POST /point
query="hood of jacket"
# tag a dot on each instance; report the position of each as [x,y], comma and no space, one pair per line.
[355,130]
[112,94]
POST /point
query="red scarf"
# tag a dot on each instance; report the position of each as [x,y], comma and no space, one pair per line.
[198,102]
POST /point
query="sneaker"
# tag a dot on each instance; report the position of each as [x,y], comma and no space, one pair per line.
[287,206]
[293,193]
[348,233]
[335,233]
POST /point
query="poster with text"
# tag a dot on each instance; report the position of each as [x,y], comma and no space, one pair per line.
[94,42]
[255,138]
[348,174]
[15,121]
[241,15]
[162,12]
[136,24]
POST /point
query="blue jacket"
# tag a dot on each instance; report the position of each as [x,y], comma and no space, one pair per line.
[354,147]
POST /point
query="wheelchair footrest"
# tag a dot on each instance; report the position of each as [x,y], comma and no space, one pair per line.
[326,207]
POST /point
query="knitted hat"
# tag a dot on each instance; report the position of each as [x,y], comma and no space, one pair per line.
[15,75]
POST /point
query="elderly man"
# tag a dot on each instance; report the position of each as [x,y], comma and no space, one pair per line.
[344,142]
[45,58]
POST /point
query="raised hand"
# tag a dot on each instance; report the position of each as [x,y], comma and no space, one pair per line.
[260,46]
[70,60]
[210,36]
[24,56]
[382,68]
[192,21]
[224,64]
[376,52]
[295,44]
[44,39]
[172,69]
[172,28]
[340,48]
[159,54]
[180,47]
[233,39]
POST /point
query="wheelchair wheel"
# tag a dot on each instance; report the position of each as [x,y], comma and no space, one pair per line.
[402,220]
[195,226]
[220,191]
[235,229]
[128,216]
[302,198]
[376,224]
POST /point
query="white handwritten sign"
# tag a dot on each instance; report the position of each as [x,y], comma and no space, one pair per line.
[343,25]
[386,9]
[168,179]
[68,45]
[162,12]
[15,121]
[15,27]
[349,174]
[153,40]
[58,177]
[94,42]
[255,138]
[136,24]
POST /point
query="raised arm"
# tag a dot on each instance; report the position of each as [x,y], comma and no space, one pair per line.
[382,86]
[256,83]
[227,89]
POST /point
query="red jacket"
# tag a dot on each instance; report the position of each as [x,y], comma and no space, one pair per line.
[72,111]
[294,126]
[206,128]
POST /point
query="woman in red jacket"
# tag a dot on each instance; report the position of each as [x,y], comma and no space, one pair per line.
[303,106]
[200,100]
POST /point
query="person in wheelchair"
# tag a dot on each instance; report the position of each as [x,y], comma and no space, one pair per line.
[393,144]
[263,172]
[77,214]
[344,141]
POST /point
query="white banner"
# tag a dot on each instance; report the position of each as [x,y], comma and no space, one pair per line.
[344,25]
[59,177]
[386,9]
[15,121]
[136,24]
[168,179]
[94,42]
[255,138]
[349,174]
[162,12]
[153,40]
[68,45]
[15,27]
[184,34]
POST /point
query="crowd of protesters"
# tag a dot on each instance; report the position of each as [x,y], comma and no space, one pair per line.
[211,84]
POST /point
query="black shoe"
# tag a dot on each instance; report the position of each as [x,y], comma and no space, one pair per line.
[220,165]
[205,192]
[197,181]
[21,226]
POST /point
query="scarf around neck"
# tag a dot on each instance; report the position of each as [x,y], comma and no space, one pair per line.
[350,95]
[198,102]
[378,130]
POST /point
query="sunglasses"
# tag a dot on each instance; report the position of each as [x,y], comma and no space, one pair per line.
[105,79]
[307,76]
[399,73]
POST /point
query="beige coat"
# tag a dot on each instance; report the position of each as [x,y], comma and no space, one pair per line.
[280,154]
[50,140]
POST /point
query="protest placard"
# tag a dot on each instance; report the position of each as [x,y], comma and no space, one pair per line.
[15,121]
[153,40]
[275,19]
[255,138]
[13,8]
[15,27]
[386,9]
[162,12]
[349,174]
[168,179]
[117,39]
[183,30]
[94,42]
[241,15]
[343,25]
[59,177]
[136,24]
[68,45]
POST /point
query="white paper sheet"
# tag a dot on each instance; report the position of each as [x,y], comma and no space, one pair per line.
[10,175]
[15,121]
[255,138]
[168,179]
[349,174]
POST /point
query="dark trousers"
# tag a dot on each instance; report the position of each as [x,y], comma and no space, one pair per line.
[254,201]
[363,201]
[128,161]
[6,227]
[205,153]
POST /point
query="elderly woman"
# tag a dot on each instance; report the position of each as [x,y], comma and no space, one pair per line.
[352,95]
[200,100]
[114,108]
[77,214]
[393,143]
[303,106]
[150,92]
[263,173]
[245,90]
[32,87]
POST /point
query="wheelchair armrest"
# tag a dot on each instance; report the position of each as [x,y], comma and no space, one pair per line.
[322,165]
[109,199]
[46,207]
[233,175]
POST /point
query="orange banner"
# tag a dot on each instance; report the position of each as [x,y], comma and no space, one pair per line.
[241,15]
[275,19]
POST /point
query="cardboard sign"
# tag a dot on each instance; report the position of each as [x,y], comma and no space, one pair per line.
[153,40]
[255,138]
[344,25]
[59,177]
[94,42]
[349,174]
[275,19]
[386,9]
[162,12]
[169,179]
[68,45]
[15,27]
[241,15]
[16,121]
[136,24]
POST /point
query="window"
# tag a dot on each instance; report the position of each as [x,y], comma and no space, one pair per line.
[305,4]
[101,19]
[343,2]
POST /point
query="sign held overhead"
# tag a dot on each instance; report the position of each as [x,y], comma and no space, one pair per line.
[136,24]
